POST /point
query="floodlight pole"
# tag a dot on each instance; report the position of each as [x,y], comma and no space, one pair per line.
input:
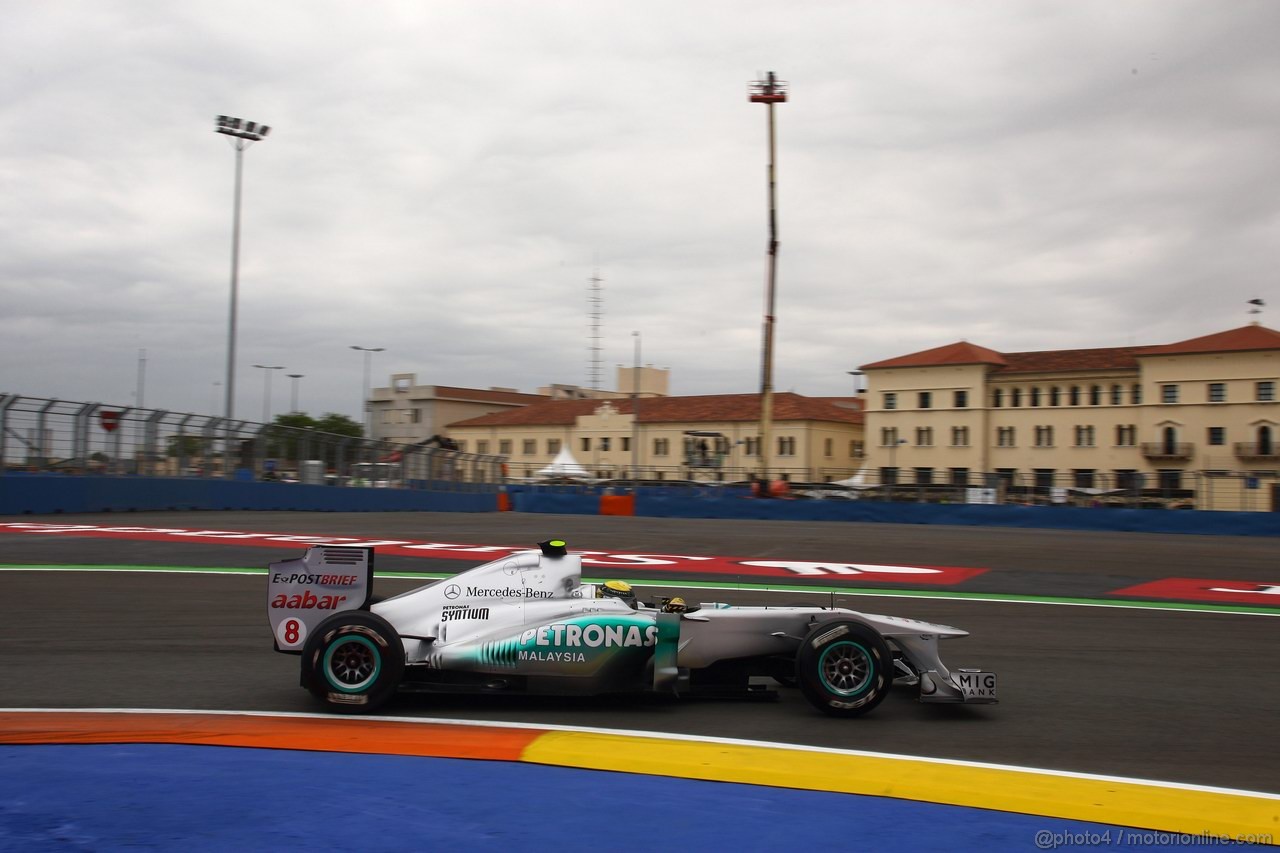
[293,403]
[368,409]
[244,134]
[769,91]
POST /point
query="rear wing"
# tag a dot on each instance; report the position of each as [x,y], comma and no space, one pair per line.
[302,593]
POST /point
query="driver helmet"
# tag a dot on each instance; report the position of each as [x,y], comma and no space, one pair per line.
[617,589]
[674,605]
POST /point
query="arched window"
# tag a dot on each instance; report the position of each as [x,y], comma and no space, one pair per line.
[1095,395]
[997,398]
[1055,396]
[1015,397]
[1266,444]
[1074,395]
[1035,395]
[1170,441]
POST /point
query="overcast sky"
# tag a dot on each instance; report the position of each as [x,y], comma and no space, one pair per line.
[442,179]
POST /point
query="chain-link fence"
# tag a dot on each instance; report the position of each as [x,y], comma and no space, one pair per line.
[56,436]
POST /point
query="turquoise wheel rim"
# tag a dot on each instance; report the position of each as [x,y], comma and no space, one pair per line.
[352,663]
[846,668]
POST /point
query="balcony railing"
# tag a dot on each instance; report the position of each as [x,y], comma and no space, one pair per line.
[1252,450]
[1167,450]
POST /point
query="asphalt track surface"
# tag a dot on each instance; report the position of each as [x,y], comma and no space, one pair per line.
[1155,694]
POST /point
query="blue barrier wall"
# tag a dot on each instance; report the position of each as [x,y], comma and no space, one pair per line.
[45,494]
[1042,517]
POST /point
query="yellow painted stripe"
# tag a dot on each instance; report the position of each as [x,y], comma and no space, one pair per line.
[1113,802]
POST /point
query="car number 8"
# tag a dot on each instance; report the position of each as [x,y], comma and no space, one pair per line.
[291,632]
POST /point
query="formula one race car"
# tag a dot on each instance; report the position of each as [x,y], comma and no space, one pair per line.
[526,623]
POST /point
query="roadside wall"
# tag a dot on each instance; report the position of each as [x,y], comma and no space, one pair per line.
[46,494]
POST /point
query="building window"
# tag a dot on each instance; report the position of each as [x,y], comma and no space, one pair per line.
[889,476]
[925,399]
[1135,395]
[1035,396]
[1082,478]
[961,400]
[959,436]
[1084,436]
[1006,476]
[1217,435]
[1217,392]
[604,443]
[1117,395]
[482,446]
[1265,392]
[1005,437]
[1015,397]
[504,447]
[529,447]
[1055,396]
[626,442]
[1126,435]
[1044,436]
[553,446]
[462,446]
[828,447]
[1169,479]
[924,476]
[786,446]
[1073,396]
[1168,393]
[888,436]
[586,443]
[890,399]
[997,398]
[855,449]
[662,446]
[1045,477]
[959,476]
[924,436]
[1095,395]
[1128,479]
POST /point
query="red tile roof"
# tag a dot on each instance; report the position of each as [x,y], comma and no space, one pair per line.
[1243,339]
[961,352]
[482,395]
[716,408]
[1059,360]
[1252,337]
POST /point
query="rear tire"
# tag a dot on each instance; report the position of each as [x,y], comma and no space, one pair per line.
[353,662]
[844,669]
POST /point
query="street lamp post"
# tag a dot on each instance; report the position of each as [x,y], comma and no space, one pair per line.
[368,410]
[244,134]
[635,411]
[293,400]
[769,91]
[266,389]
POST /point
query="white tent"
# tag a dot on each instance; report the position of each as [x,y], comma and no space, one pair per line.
[857,481]
[564,465]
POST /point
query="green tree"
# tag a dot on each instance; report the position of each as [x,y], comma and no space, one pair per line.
[339,425]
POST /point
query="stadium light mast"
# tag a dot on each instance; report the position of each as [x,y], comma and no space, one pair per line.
[769,91]
[368,409]
[243,133]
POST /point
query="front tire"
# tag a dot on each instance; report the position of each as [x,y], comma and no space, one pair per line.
[844,669]
[353,662]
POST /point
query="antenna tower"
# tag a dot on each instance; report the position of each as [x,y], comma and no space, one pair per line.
[595,312]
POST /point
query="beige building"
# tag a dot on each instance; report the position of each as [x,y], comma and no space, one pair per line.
[407,413]
[707,438]
[1197,419]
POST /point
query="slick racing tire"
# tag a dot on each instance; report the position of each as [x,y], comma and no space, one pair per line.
[844,669]
[353,662]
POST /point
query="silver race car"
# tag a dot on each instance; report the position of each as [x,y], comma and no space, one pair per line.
[526,623]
